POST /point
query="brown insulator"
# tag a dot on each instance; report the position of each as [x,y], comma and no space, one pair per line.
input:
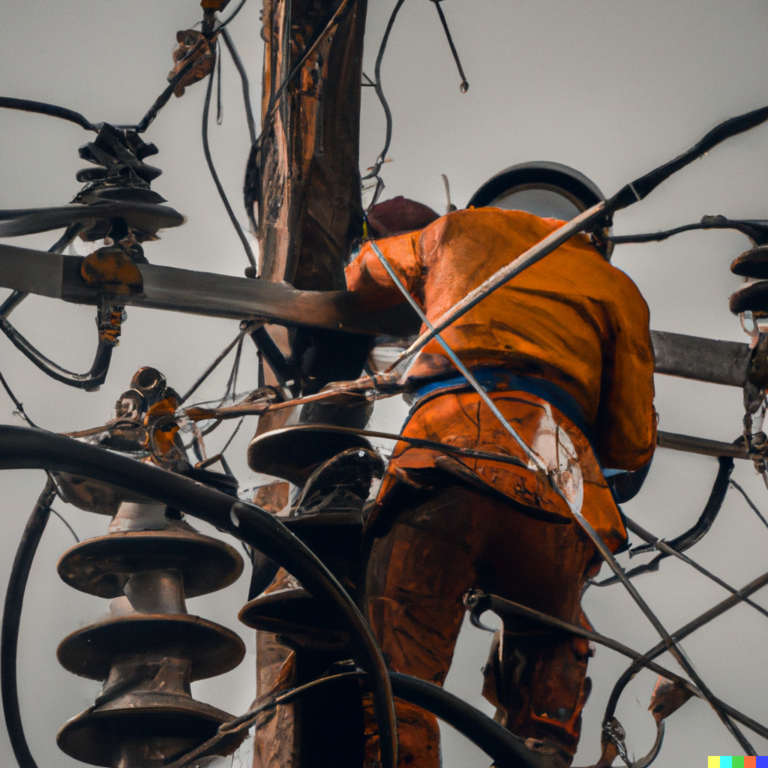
[294,455]
[148,650]
[752,263]
[751,297]
[102,566]
[301,620]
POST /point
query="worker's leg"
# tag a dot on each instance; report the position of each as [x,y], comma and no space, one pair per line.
[535,676]
[417,573]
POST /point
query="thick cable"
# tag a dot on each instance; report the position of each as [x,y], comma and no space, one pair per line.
[41,108]
[9,637]
[215,176]
[22,448]
[374,173]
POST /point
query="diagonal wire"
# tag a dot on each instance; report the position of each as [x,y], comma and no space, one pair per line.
[210,369]
[64,520]
[668,642]
[19,406]
[534,458]
[750,502]
[464,84]
[664,547]
[238,62]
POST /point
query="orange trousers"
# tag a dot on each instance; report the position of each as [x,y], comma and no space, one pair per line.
[443,542]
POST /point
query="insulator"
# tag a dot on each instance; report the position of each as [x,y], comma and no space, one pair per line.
[148,649]
[752,263]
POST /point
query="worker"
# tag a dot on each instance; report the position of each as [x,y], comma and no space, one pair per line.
[564,351]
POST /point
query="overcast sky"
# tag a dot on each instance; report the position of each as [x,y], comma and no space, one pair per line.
[610,88]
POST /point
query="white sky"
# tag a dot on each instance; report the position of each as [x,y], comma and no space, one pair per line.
[611,88]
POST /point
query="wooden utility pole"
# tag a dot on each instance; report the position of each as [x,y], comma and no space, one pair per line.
[304,186]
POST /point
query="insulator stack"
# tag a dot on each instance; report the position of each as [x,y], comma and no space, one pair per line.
[148,649]
[752,296]
[335,473]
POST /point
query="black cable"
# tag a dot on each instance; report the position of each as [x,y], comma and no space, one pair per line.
[69,527]
[231,16]
[9,637]
[19,406]
[215,176]
[41,108]
[464,84]
[380,93]
[244,80]
[750,502]
[189,62]
[757,230]
[211,368]
[23,448]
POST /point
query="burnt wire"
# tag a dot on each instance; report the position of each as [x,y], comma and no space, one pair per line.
[215,175]
[750,502]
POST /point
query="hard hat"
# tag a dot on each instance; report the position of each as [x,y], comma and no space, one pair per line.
[549,190]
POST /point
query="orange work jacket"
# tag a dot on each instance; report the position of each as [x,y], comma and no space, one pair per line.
[571,319]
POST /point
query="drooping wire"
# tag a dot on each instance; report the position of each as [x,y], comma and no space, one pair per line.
[19,406]
[64,520]
[376,82]
[464,84]
[238,62]
[215,175]
[750,502]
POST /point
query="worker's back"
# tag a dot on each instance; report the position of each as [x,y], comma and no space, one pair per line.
[571,319]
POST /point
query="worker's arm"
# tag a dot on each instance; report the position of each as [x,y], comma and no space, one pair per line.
[367,276]
[625,428]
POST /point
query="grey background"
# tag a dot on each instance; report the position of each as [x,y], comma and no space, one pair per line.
[611,88]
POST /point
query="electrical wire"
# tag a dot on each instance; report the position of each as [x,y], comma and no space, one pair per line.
[374,173]
[464,84]
[232,15]
[42,108]
[19,406]
[64,520]
[9,636]
[215,175]
[750,502]
[23,448]
[211,368]
[227,38]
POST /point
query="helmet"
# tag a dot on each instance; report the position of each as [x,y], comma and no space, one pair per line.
[549,190]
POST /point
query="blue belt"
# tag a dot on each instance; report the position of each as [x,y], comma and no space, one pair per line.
[493,379]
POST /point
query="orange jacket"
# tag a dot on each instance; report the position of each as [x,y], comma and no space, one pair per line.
[572,318]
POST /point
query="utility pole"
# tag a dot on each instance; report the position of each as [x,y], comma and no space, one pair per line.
[303,184]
